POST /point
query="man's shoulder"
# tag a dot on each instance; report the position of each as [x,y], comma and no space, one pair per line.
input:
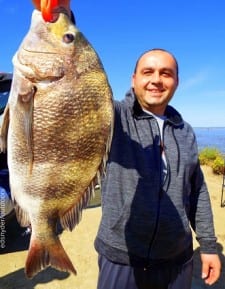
[126,102]
[121,106]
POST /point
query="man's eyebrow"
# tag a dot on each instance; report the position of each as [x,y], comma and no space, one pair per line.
[160,69]
[168,69]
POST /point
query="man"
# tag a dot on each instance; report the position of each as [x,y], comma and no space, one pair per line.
[153,189]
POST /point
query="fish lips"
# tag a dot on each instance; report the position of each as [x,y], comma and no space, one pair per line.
[56,12]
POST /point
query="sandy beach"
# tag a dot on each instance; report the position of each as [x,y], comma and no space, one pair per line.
[79,246]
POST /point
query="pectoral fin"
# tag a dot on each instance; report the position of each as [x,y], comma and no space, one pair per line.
[25,106]
[27,103]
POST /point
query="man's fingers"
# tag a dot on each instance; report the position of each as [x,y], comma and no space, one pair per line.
[212,277]
[205,270]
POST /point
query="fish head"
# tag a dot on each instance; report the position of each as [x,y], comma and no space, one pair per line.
[52,50]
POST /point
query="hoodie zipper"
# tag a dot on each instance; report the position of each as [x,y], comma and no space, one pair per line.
[160,194]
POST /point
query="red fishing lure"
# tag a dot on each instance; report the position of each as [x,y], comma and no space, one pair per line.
[47,8]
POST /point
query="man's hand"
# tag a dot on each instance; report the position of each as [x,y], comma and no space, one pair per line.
[211,268]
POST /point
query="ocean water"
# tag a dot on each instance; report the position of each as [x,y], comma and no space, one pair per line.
[211,137]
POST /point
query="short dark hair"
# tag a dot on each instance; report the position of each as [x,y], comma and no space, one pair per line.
[156,49]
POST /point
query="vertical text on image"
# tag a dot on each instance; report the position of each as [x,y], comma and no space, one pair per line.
[2,222]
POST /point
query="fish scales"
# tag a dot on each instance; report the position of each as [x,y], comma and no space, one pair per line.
[58,126]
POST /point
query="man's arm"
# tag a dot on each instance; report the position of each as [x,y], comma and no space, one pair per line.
[201,218]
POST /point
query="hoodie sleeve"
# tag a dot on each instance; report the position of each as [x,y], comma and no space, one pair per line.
[5,85]
[201,215]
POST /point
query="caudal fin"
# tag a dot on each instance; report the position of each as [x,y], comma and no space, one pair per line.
[42,255]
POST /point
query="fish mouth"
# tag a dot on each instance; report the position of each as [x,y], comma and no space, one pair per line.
[59,10]
[40,51]
[51,8]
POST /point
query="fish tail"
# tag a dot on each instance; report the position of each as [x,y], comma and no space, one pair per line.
[44,254]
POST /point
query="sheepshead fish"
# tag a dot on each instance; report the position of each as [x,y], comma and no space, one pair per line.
[57,129]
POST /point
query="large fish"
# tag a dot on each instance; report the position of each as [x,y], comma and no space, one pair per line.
[57,130]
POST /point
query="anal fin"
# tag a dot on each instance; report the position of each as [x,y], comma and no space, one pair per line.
[73,216]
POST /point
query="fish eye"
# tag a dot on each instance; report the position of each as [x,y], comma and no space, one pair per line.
[68,38]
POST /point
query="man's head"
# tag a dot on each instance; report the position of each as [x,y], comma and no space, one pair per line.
[155,80]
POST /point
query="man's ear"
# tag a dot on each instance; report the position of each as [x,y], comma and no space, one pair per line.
[133,80]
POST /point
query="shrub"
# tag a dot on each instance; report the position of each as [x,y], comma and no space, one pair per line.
[218,166]
[212,157]
[208,155]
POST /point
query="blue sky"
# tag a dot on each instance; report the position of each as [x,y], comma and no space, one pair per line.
[120,30]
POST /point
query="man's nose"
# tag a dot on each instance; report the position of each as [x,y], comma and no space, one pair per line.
[155,77]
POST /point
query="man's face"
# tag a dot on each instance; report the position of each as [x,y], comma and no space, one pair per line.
[155,80]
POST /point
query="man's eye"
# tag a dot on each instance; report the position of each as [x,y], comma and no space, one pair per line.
[167,73]
[147,72]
